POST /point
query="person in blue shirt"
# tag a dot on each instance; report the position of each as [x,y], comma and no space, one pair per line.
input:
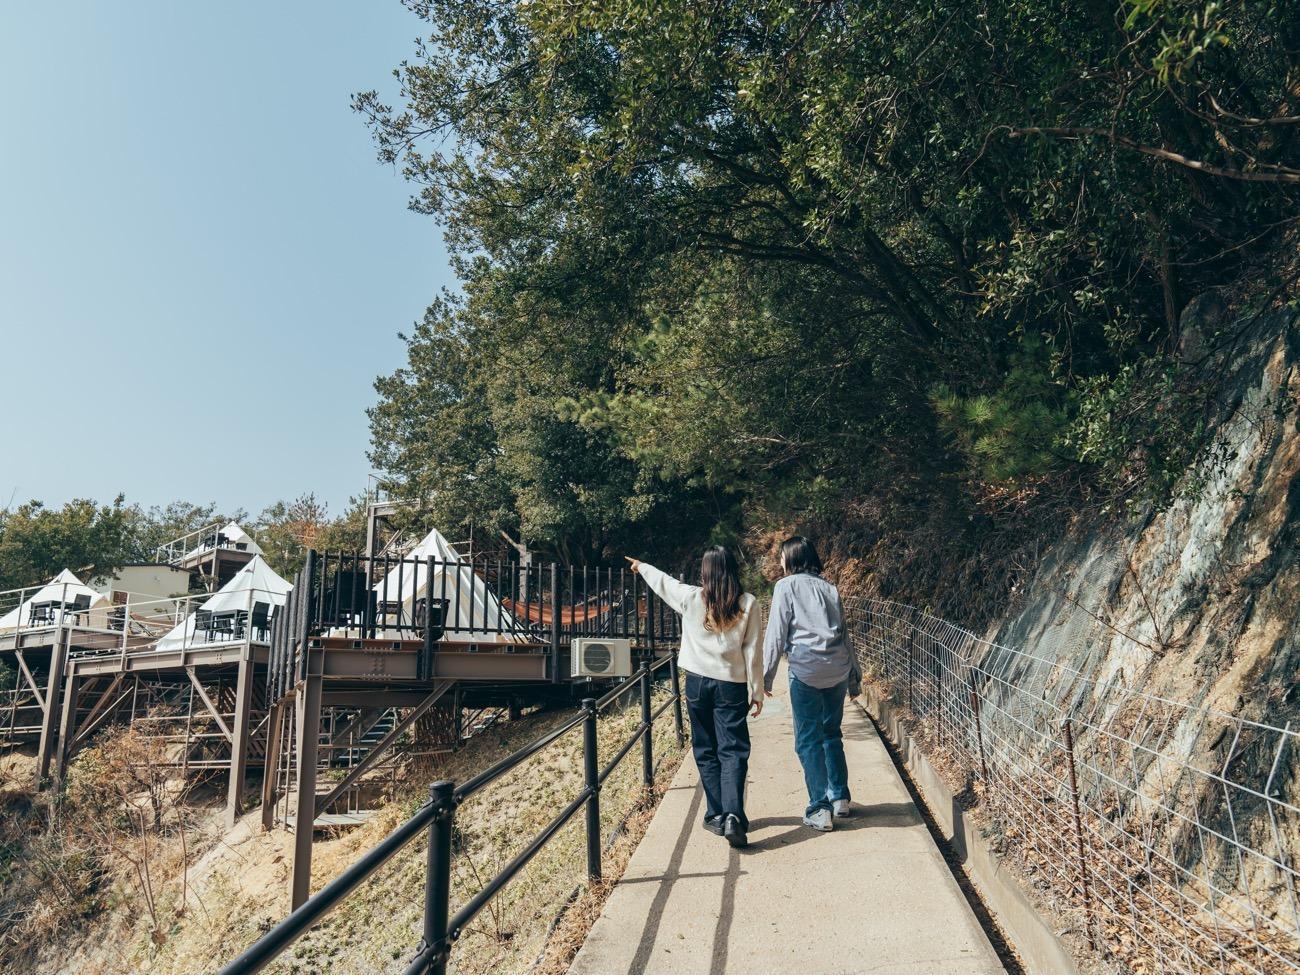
[806,623]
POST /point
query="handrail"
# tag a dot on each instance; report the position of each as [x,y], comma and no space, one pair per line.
[437,815]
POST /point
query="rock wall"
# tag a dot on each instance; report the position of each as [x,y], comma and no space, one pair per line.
[1169,636]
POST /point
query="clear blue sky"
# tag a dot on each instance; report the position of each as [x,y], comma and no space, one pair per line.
[202,265]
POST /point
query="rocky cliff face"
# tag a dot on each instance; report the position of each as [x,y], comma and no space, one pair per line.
[1174,641]
[1197,602]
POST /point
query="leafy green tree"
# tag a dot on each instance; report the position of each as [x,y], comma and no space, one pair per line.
[774,258]
[37,542]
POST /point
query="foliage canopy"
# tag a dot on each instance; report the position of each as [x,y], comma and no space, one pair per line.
[750,255]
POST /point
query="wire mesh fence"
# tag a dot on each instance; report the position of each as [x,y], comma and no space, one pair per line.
[1167,826]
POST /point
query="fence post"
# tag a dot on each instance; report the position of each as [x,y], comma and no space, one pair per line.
[1068,729]
[676,676]
[555,622]
[437,879]
[647,741]
[304,624]
[425,670]
[591,773]
[979,729]
[911,666]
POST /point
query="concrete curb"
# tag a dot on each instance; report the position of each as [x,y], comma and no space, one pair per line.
[1039,947]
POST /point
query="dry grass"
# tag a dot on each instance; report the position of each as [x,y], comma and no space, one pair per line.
[238,888]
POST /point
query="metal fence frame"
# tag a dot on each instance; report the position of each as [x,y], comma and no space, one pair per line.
[436,820]
[1168,825]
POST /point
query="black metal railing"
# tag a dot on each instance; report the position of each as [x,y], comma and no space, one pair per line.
[436,817]
[544,606]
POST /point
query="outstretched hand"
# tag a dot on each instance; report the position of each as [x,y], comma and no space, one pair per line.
[636,564]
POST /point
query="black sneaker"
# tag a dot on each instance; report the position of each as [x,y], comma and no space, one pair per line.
[733,831]
[713,824]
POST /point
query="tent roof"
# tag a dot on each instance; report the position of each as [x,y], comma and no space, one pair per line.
[257,577]
[256,582]
[236,534]
[65,585]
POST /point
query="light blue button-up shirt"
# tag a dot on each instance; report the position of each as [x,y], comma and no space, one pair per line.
[806,621]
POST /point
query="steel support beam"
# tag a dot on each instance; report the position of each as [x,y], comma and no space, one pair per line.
[307,713]
[271,765]
[98,715]
[31,681]
[240,741]
[382,746]
[53,697]
[67,724]
[212,708]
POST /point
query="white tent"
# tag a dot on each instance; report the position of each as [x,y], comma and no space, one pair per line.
[470,603]
[235,537]
[255,583]
[63,588]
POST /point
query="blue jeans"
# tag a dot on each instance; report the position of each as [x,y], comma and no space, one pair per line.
[819,742]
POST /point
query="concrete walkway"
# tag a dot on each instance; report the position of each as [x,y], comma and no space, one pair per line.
[873,896]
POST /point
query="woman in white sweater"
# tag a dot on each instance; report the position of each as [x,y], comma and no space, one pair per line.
[722,655]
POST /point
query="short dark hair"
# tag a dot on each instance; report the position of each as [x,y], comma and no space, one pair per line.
[798,554]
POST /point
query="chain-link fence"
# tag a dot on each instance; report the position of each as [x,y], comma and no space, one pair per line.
[1168,826]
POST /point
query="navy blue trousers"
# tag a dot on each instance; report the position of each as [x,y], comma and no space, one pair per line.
[720,741]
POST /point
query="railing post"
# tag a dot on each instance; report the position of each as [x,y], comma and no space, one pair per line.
[979,730]
[437,879]
[647,740]
[555,623]
[676,676]
[911,667]
[1084,881]
[425,669]
[309,579]
[591,774]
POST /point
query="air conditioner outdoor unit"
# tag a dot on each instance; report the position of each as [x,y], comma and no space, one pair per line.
[595,657]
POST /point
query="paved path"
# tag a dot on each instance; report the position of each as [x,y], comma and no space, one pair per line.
[873,896]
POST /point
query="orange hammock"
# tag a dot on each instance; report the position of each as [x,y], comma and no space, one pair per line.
[570,616]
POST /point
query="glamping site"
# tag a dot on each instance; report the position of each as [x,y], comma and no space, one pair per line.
[523,487]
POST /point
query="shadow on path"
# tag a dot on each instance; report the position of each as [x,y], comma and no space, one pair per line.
[655,916]
[882,815]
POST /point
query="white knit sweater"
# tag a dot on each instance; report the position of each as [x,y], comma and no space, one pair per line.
[735,654]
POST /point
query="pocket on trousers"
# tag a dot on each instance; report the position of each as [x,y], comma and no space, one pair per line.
[734,695]
[693,688]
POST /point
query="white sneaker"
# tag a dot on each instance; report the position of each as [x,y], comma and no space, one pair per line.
[820,820]
[842,809]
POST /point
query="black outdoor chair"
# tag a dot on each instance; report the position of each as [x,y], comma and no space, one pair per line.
[203,625]
[261,624]
[348,598]
[41,613]
[223,625]
[80,603]
[439,622]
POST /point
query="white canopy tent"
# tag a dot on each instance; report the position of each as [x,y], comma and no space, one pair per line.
[63,589]
[255,583]
[470,603]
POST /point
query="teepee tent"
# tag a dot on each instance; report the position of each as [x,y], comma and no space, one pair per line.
[255,583]
[232,537]
[470,603]
[62,591]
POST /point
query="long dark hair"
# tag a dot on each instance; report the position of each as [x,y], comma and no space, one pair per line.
[798,554]
[720,580]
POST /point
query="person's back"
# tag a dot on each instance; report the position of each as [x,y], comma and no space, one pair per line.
[806,623]
[722,656]
[811,618]
[729,654]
